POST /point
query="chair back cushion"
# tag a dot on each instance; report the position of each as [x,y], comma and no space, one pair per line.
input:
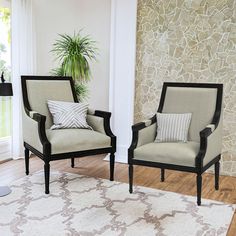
[200,101]
[39,91]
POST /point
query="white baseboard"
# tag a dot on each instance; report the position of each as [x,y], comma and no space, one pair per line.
[121,155]
[120,159]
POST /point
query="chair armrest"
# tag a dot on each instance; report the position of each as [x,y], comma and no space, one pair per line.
[142,125]
[210,144]
[207,131]
[34,132]
[100,121]
[142,133]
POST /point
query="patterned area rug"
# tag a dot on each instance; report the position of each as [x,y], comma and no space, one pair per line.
[81,205]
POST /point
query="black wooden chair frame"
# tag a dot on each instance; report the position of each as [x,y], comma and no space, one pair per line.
[199,169]
[46,155]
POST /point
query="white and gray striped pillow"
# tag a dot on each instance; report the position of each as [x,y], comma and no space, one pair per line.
[173,127]
[68,114]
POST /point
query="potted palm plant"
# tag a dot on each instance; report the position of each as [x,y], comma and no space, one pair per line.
[74,53]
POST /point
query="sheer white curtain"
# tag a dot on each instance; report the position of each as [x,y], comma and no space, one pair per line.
[23,63]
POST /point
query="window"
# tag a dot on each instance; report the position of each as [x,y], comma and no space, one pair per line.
[5,66]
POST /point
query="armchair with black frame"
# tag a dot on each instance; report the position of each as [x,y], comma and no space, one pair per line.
[51,145]
[203,148]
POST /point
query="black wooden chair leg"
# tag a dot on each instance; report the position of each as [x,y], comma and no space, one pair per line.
[26,161]
[131,170]
[112,166]
[217,175]
[47,176]
[162,175]
[72,162]
[199,189]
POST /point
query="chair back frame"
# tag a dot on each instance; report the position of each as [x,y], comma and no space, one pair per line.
[24,79]
[219,87]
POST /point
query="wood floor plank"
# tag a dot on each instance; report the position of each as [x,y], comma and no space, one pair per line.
[178,182]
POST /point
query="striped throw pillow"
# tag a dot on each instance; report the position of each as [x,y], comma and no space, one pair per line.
[173,127]
[68,114]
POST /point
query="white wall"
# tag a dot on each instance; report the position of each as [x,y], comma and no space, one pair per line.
[68,16]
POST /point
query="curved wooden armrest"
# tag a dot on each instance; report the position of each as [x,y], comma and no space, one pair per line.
[204,134]
[144,124]
[41,120]
[135,134]
[107,124]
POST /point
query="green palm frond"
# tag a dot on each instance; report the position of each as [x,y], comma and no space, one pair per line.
[58,71]
[82,91]
[74,54]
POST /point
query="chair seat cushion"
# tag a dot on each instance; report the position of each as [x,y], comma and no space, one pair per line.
[183,154]
[74,140]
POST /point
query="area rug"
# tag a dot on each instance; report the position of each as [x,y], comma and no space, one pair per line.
[87,206]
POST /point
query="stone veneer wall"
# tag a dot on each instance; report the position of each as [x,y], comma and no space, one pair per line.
[188,41]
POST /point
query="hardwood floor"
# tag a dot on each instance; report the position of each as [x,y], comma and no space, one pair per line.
[178,182]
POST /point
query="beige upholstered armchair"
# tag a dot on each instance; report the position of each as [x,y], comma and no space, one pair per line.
[50,145]
[203,148]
